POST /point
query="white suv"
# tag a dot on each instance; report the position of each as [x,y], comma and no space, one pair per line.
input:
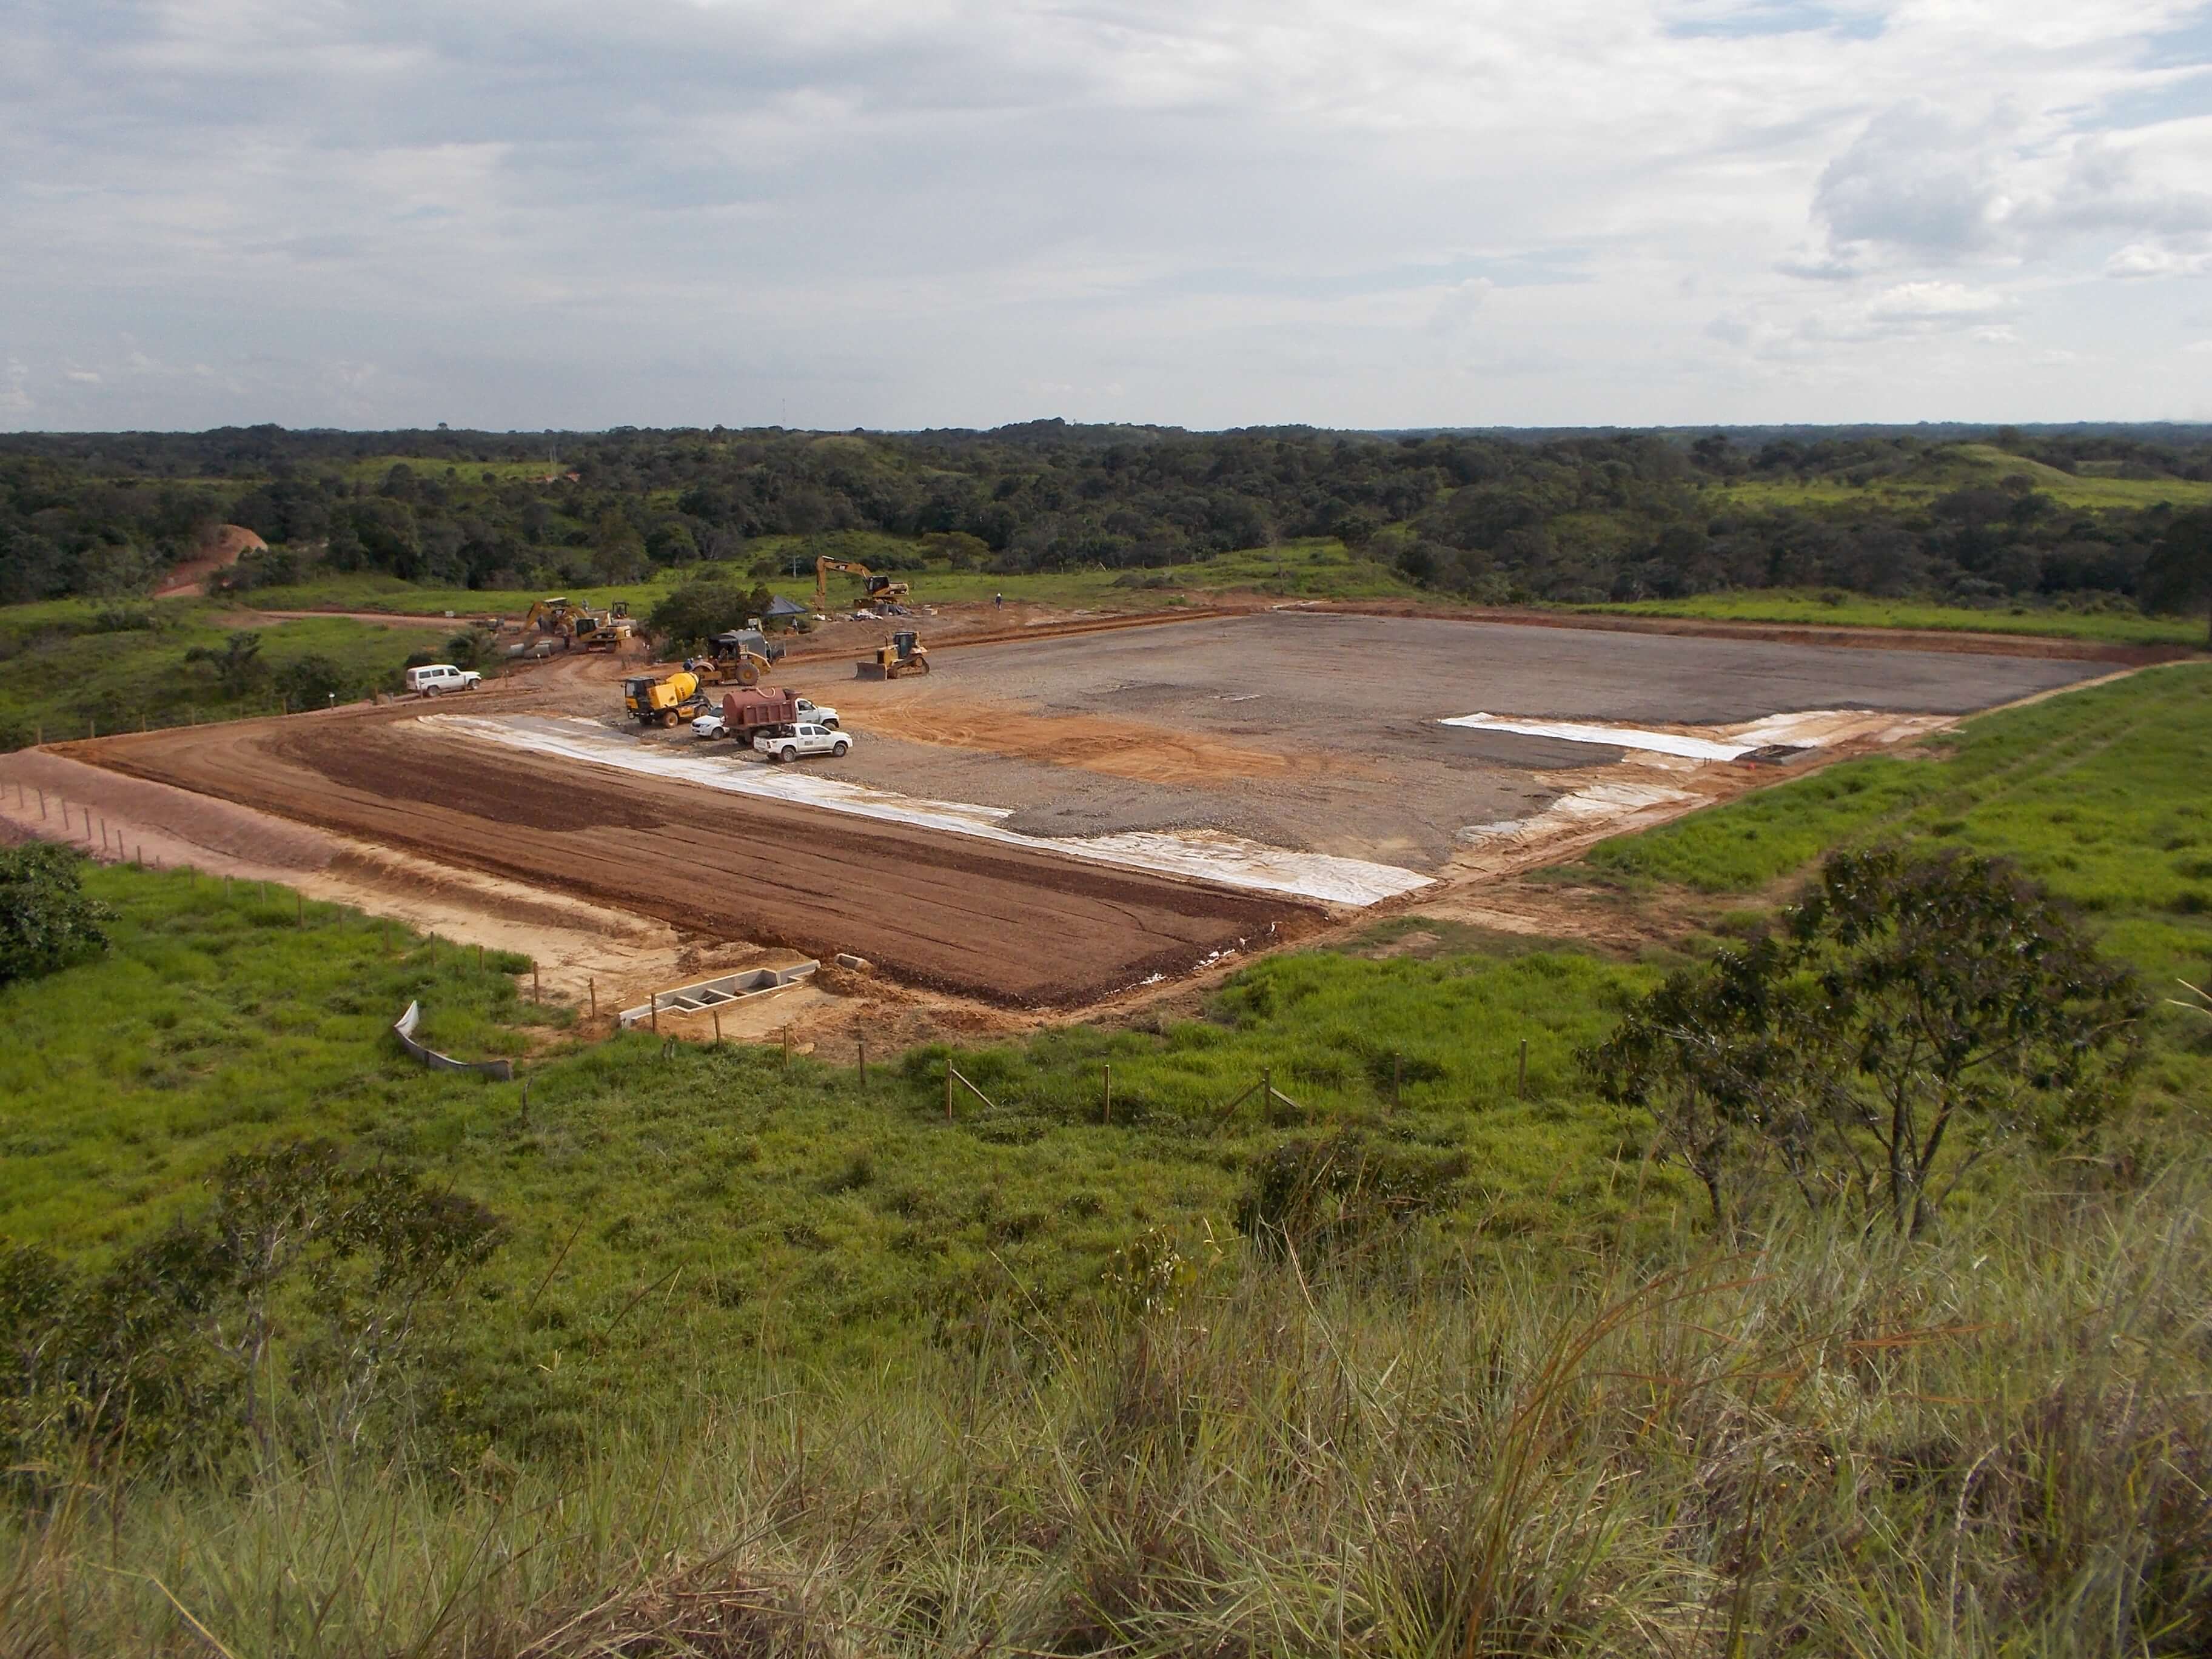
[788,743]
[432,678]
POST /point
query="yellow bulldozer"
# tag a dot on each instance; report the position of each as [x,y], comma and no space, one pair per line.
[663,699]
[878,588]
[904,654]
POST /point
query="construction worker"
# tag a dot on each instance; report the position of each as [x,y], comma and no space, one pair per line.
[999,600]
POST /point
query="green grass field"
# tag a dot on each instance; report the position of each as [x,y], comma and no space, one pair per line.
[2098,793]
[1857,611]
[800,1210]
[1965,466]
[70,667]
[1312,569]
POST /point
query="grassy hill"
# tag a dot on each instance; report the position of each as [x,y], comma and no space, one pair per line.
[777,1362]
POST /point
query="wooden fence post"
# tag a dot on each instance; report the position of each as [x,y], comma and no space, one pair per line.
[656,1013]
[864,1062]
[948,1092]
[533,981]
[592,985]
[717,1015]
[786,1045]
[1106,1102]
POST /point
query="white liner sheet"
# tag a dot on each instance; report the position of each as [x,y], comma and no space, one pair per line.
[1617,737]
[1226,860]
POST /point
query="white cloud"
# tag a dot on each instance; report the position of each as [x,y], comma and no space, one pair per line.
[2142,260]
[1207,211]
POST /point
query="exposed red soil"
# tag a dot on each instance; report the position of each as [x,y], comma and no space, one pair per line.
[975,919]
[219,552]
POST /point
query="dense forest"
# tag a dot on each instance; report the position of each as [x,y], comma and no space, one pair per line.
[2074,514]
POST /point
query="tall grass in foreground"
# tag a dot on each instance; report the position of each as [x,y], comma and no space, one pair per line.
[1998,1443]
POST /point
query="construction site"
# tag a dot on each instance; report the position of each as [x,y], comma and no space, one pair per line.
[1052,814]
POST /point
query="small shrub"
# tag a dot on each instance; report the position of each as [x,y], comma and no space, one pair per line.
[45,921]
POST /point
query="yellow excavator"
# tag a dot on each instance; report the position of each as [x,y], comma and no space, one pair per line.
[879,588]
[547,616]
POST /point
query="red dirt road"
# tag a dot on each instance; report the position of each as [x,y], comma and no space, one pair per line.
[949,914]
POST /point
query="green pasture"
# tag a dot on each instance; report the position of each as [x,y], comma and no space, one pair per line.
[71,668]
[1838,610]
[1964,466]
[800,1211]
[2099,793]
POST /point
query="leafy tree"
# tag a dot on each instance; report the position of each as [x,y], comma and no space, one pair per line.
[687,617]
[238,666]
[620,552]
[1909,1017]
[312,681]
[46,923]
[2179,574]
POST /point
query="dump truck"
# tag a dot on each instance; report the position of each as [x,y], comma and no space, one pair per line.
[904,654]
[745,714]
[742,656]
[663,699]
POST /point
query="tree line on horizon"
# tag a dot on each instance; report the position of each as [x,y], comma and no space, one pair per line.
[1493,517]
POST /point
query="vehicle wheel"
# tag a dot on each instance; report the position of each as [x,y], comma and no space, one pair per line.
[832,725]
[748,674]
[788,755]
[668,717]
[434,692]
[839,750]
[923,664]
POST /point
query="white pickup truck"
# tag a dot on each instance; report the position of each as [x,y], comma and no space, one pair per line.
[788,743]
[432,678]
[711,725]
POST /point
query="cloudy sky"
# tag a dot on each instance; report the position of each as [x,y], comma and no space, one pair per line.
[901,213]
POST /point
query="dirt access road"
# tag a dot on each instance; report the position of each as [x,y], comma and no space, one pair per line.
[1001,924]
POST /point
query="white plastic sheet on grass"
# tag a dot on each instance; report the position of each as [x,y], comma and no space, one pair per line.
[1616,737]
[1226,860]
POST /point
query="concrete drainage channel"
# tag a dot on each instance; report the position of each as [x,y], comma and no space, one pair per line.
[712,993]
[404,1028]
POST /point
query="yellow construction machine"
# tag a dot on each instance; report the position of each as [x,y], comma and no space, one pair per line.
[548,616]
[603,630]
[879,588]
[663,699]
[904,654]
[739,657]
